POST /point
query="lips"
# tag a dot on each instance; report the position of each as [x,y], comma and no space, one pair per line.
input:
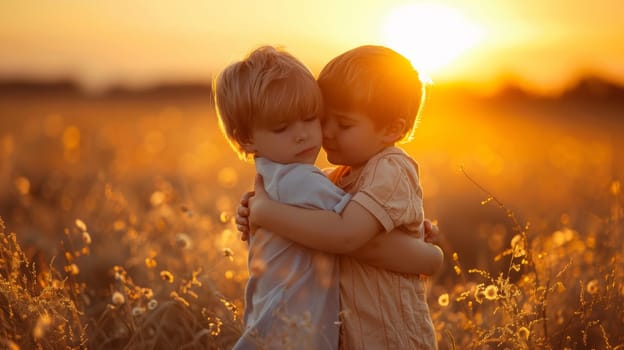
[306,151]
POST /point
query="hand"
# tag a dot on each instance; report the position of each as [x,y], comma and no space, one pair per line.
[242,214]
[432,232]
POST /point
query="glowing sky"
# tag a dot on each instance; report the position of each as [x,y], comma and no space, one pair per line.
[542,44]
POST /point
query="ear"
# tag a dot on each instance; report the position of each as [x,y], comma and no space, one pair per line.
[394,131]
[249,147]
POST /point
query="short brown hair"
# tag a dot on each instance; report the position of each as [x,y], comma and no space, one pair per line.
[376,81]
[267,87]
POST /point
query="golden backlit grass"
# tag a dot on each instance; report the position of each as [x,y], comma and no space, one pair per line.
[117,233]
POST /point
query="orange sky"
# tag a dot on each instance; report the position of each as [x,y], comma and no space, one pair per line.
[543,44]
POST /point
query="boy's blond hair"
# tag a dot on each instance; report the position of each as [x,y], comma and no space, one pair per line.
[269,86]
[376,81]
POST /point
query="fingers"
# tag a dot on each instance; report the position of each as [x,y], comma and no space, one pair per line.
[242,213]
[243,232]
[428,225]
[432,231]
[244,201]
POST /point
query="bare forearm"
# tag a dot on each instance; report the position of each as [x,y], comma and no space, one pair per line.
[318,229]
[399,252]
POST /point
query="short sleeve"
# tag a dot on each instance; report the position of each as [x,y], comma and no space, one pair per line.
[391,191]
[307,186]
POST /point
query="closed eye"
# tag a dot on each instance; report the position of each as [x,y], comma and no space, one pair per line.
[310,118]
[280,128]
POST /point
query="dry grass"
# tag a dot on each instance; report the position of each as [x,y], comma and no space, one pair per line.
[560,290]
[124,240]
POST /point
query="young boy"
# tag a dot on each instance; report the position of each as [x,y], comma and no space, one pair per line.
[372,97]
[268,107]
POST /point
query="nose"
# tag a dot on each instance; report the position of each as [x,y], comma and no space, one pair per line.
[301,132]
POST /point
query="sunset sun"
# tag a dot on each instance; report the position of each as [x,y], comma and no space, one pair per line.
[430,35]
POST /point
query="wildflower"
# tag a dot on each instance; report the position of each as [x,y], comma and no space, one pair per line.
[118,298]
[519,252]
[157,198]
[166,276]
[138,311]
[224,217]
[72,269]
[183,240]
[229,274]
[517,245]
[175,296]
[119,276]
[81,225]
[516,240]
[43,323]
[491,292]
[152,304]
[215,327]
[227,252]
[592,287]
[151,263]
[524,333]
[147,292]
[230,306]
[478,293]
[86,238]
[443,299]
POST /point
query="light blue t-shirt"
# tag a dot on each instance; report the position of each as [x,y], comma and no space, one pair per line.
[292,297]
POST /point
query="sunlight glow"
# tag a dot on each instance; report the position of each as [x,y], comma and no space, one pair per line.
[430,35]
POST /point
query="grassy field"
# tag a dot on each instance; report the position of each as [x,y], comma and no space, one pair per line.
[117,230]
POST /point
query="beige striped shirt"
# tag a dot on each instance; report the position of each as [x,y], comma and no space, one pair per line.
[382,309]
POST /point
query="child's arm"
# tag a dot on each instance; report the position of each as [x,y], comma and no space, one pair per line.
[397,251]
[319,229]
[394,251]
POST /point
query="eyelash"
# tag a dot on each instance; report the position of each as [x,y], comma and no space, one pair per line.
[283,128]
[310,118]
[280,129]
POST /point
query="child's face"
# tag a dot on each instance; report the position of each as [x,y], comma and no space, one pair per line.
[296,141]
[350,138]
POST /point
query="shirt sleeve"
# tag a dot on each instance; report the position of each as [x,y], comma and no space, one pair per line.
[391,191]
[306,186]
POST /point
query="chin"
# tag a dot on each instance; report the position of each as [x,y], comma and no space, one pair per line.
[334,160]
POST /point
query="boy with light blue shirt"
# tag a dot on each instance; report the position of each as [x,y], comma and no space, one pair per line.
[269,107]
